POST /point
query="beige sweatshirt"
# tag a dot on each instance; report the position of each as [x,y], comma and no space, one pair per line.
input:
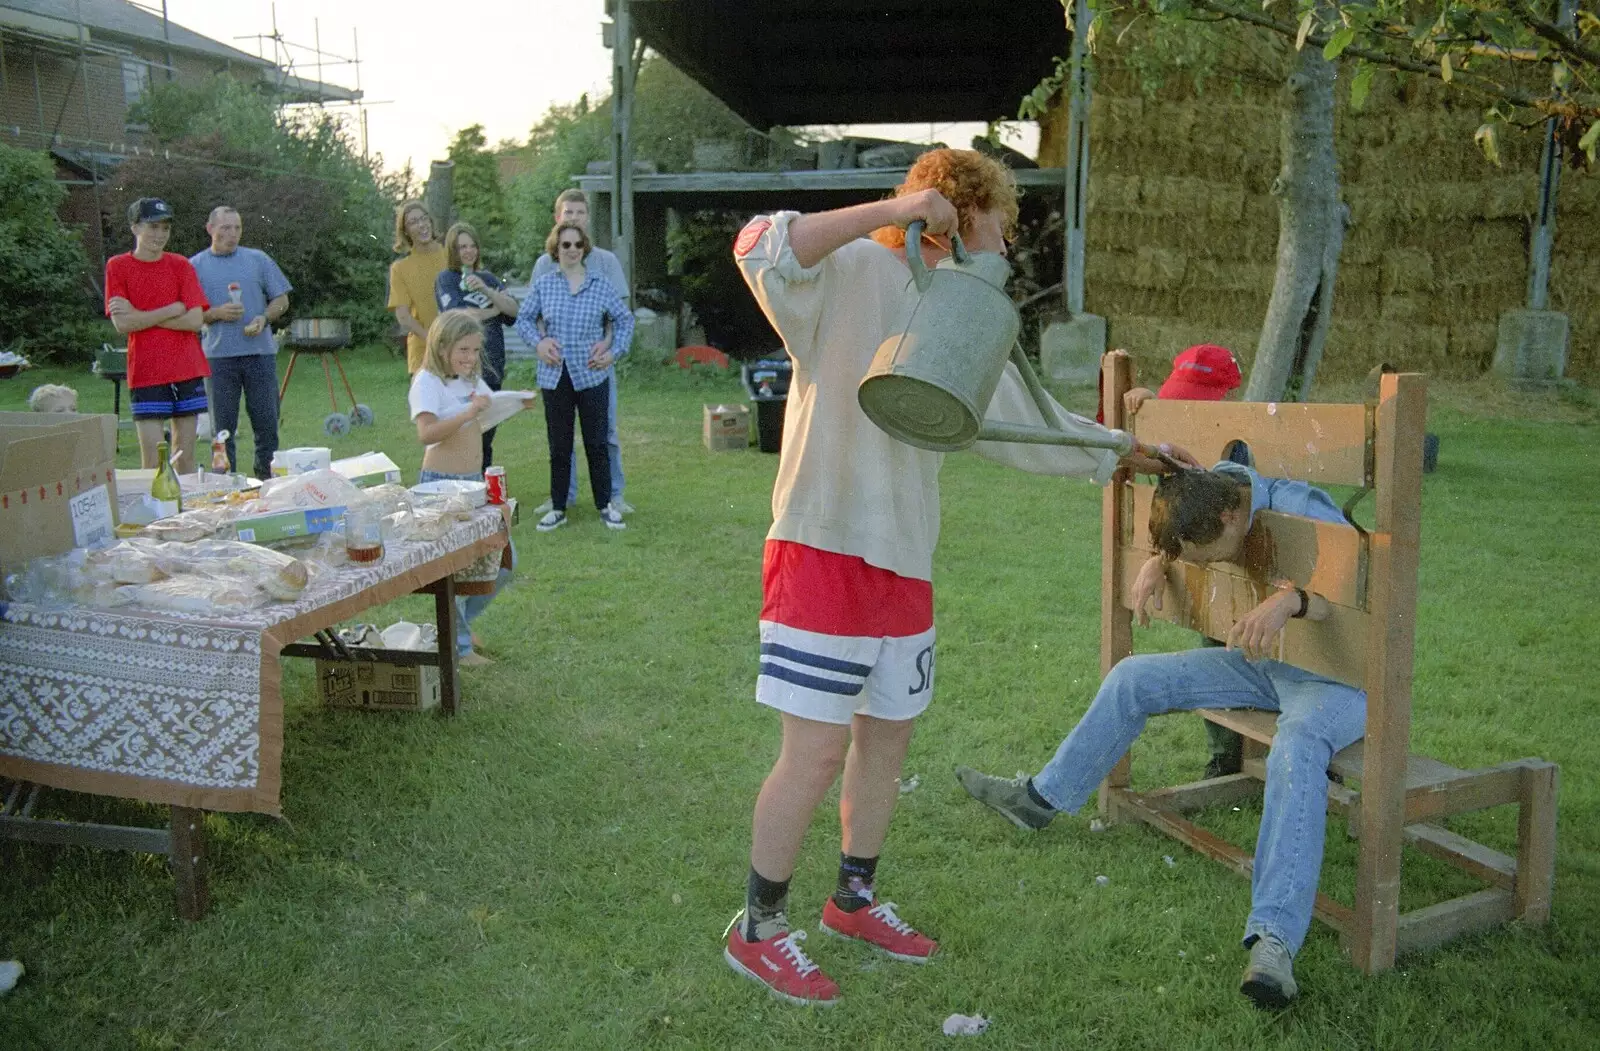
[844,485]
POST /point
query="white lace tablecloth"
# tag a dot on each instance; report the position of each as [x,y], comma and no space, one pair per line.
[180,709]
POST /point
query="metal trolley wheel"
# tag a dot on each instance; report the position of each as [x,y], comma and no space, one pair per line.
[336,425]
[361,416]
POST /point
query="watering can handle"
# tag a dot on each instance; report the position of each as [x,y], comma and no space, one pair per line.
[919,269]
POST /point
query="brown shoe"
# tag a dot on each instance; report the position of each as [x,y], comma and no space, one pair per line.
[473,660]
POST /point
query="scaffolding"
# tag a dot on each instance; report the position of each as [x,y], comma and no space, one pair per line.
[287,56]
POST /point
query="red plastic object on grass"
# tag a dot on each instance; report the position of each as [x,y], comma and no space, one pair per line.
[687,356]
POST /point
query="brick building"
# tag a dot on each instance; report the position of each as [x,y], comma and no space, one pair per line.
[71,69]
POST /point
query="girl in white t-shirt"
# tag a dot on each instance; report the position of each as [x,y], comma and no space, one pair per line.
[448,394]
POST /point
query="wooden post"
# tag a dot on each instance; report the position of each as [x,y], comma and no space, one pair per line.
[444,615]
[1402,409]
[1536,843]
[622,84]
[1116,620]
[1077,160]
[439,196]
[187,858]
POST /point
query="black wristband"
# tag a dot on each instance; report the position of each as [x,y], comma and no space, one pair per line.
[1305,604]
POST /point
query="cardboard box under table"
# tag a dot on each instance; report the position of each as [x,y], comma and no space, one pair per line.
[187,711]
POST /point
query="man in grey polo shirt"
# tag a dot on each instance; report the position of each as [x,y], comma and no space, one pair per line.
[248,293]
[573,207]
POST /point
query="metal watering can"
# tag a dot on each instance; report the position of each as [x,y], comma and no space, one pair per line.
[930,385]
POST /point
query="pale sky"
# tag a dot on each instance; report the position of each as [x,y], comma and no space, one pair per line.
[430,69]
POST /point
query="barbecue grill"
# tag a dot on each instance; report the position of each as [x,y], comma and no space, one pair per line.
[325,337]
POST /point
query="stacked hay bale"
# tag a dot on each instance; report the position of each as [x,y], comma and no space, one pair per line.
[1182,227]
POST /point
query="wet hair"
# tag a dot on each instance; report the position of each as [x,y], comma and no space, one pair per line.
[552,244]
[448,329]
[971,181]
[1188,506]
[402,240]
[452,246]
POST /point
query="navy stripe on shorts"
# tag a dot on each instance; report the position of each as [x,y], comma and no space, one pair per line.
[161,401]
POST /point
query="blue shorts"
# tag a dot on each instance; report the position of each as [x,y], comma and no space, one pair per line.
[163,401]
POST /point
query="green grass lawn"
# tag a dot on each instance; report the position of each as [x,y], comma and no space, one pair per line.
[555,867]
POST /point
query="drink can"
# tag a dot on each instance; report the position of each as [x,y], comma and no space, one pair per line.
[235,293]
[495,479]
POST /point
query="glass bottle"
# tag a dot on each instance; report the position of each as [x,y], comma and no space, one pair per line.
[164,488]
[219,453]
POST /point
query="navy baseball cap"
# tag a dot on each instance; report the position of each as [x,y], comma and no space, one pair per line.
[150,210]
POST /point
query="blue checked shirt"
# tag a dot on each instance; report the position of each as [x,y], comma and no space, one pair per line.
[577,321]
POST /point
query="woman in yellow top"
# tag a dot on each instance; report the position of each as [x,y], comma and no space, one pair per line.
[411,279]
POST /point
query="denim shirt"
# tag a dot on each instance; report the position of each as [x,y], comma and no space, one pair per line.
[1283,494]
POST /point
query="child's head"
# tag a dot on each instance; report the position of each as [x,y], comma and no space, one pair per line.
[455,345]
[52,397]
[1200,516]
[150,219]
[1204,372]
[974,183]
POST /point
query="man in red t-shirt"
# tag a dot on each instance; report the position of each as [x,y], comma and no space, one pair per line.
[154,298]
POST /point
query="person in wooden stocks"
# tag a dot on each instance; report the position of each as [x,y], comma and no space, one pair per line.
[154,298]
[847,635]
[1205,516]
[412,278]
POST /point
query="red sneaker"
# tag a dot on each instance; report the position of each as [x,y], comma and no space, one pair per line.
[779,964]
[879,927]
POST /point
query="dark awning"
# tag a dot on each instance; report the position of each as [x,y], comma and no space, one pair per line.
[797,62]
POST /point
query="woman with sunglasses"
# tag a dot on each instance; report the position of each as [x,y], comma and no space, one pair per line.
[575,366]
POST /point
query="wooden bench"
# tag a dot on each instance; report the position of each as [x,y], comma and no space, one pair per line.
[1370,578]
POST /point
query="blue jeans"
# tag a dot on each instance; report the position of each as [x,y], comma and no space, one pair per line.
[611,446]
[1317,717]
[470,607]
[256,376]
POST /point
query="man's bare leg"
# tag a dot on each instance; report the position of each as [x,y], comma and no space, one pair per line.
[872,782]
[811,757]
[150,436]
[183,432]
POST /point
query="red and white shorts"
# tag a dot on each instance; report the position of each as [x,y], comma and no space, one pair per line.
[840,637]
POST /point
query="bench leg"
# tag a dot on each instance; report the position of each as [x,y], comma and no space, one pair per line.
[188,861]
[1121,776]
[1536,843]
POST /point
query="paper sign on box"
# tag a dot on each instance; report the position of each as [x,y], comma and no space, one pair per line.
[47,462]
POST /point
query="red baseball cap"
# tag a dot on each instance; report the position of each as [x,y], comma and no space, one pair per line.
[1205,372]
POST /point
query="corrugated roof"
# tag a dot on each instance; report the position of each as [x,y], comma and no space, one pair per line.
[122,19]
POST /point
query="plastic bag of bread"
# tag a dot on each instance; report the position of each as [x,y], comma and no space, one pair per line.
[132,561]
[311,489]
[388,498]
[280,575]
[191,525]
[198,594]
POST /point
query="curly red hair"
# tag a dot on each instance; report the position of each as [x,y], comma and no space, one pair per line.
[972,181]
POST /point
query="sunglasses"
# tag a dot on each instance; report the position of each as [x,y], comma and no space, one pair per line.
[570,244]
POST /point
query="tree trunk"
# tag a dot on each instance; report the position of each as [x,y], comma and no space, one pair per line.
[438,196]
[1310,235]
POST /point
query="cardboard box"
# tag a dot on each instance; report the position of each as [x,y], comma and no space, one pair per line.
[368,469]
[378,685]
[727,427]
[284,525]
[58,483]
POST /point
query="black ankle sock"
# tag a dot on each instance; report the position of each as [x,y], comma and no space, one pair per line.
[764,900]
[1038,800]
[855,876]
